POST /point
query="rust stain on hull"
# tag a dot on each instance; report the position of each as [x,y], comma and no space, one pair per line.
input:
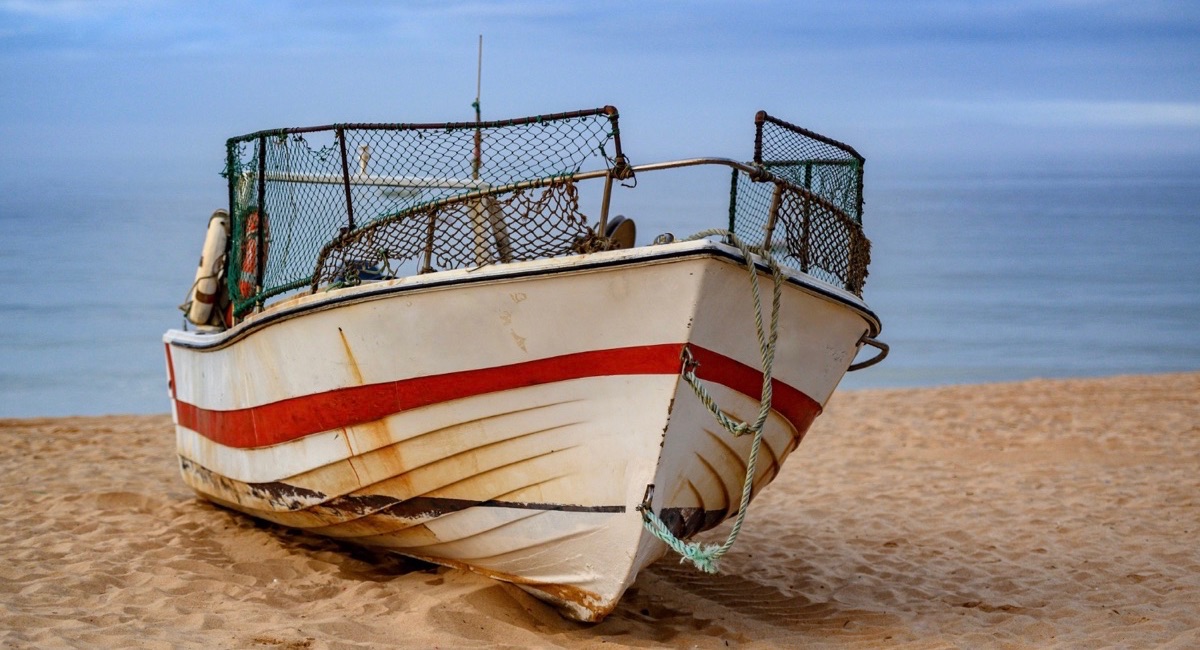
[284,497]
[353,363]
[577,603]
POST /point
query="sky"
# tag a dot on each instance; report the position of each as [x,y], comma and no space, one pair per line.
[95,89]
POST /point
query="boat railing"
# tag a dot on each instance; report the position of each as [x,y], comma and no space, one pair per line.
[802,226]
[330,206]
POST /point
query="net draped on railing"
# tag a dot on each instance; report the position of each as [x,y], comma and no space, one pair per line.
[810,216]
[334,205]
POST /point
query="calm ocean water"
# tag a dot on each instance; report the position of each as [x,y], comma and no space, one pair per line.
[977,278]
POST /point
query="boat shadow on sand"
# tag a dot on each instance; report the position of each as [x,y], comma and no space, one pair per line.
[667,600]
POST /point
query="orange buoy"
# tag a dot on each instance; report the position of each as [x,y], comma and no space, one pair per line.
[248,278]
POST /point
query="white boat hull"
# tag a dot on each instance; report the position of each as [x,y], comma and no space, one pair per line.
[509,419]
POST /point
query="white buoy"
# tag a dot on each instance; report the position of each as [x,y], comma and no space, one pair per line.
[207,285]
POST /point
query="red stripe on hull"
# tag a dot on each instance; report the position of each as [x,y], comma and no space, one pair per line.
[293,418]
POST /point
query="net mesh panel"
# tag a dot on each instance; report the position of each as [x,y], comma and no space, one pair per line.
[310,204]
[827,168]
[809,233]
[525,224]
[813,186]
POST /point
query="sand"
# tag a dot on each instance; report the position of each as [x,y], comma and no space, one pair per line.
[1031,514]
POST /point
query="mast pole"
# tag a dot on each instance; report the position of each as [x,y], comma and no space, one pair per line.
[477,162]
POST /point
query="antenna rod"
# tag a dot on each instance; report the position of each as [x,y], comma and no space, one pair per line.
[478,160]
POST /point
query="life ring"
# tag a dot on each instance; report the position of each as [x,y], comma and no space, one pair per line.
[248,278]
[207,285]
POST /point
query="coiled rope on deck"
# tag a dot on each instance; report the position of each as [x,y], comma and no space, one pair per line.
[706,557]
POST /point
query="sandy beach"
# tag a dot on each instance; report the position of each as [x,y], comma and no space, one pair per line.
[1043,513]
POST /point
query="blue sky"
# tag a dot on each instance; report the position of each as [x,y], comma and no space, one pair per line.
[91,88]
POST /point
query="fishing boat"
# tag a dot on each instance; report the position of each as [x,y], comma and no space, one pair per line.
[412,337]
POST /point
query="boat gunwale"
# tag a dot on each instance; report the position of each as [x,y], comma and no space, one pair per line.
[660,253]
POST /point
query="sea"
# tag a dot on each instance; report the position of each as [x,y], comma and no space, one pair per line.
[978,277]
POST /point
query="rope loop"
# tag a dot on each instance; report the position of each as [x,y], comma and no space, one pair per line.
[706,557]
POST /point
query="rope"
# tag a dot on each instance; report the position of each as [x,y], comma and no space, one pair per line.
[706,557]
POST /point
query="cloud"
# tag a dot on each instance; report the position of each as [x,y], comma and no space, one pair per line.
[66,10]
[1059,113]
